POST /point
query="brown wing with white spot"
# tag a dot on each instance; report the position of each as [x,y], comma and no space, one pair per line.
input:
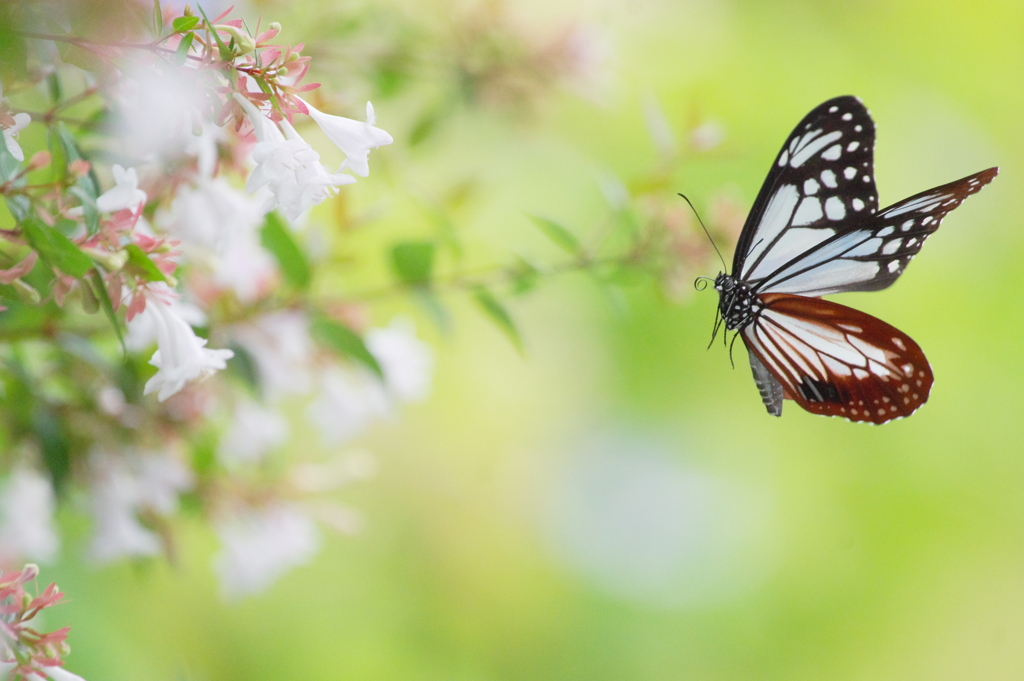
[872,253]
[836,361]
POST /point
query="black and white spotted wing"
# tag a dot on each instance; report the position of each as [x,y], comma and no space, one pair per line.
[821,180]
[872,251]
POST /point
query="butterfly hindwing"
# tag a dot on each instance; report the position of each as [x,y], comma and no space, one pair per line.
[872,253]
[822,177]
[837,361]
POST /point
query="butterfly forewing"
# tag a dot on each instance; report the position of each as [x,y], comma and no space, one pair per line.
[872,253]
[822,179]
[836,361]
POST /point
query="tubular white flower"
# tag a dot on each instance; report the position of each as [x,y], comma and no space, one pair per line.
[254,432]
[180,355]
[122,485]
[124,194]
[288,167]
[349,399]
[11,135]
[26,518]
[354,138]
[260,545]
[282,350]
[60,674]
[406,361]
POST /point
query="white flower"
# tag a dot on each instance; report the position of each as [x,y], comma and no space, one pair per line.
[349,399]
[143,327]
[288,166]
[260,545]
[181,356]
[11,135]
[246,268]
[253,433]
[211,215]
[26,518]
[60,674]
[157,104]
[354,138]
[220,228]
[406,361]
[122,486]
[281,348]
[124,194]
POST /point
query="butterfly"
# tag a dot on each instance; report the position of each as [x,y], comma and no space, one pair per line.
[816,229]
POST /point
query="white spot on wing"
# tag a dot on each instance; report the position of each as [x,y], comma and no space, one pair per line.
[892,247]
[834,208]
[829,178]
[811,148]
[811,186]
[776,218]
[886,231]
[852,146]
[809,211]
[832,153]
[784,158]
[857,204]
[894,265]
[849,172]
[847,116]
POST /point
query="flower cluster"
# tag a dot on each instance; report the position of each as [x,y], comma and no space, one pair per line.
[160,305]
[26,654]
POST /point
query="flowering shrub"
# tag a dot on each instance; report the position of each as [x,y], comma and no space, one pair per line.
[165,293]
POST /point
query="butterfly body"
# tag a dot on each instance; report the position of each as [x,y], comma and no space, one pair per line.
[815,229]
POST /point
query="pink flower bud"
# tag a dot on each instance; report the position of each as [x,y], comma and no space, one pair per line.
[40,159]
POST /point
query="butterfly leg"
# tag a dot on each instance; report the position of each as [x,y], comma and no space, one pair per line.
[770,389]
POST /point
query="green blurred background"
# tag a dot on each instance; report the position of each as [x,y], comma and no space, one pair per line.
[617,504]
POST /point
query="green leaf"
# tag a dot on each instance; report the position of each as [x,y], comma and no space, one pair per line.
[182,24]
[100,289]
[9,167]
[85,190]
[433,306]
[53,85]
[413,262]
[53,442]
[524,276]
[276,238]
[158,17]
[499,315]
[138,257]
[344,340]
[225,52]
[244,365]
[13,51]
[71,149]
[181,53]
[558,234]
[55,248]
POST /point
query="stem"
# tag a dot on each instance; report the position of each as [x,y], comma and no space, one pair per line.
[493,275]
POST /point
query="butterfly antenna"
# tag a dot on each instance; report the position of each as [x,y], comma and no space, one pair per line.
[725,268]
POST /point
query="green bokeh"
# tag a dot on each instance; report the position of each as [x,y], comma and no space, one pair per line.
[883,553]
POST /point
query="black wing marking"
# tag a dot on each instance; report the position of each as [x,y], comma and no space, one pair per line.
[870,255]
[822,178]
